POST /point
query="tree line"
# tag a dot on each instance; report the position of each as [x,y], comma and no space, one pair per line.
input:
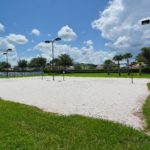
[63,61]
[142,59]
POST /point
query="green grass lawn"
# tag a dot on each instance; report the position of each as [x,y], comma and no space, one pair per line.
[115,75]
[112,75]
[146,110]
[27,128]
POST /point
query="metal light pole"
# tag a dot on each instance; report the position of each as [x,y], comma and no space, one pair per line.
[52,41]
[6,53]
[64,75]
[131,75]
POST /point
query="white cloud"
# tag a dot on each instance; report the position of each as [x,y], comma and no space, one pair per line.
[146,34]
[86,54]
[120,24]
[43,46]
[4,44]
[17,38]
[2,28]
[67,33]
[89,44]
[13,58]
[8,43]
[35,32]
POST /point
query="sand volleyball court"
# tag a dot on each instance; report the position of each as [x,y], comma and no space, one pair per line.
[108,98]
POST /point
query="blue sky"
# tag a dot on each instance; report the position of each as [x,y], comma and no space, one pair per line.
[91,30]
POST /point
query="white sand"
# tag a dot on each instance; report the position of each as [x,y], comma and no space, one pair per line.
[112,99]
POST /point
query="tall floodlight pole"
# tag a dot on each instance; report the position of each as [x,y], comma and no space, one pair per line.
[131,75]
[52,41]
[143,22]
[6,53]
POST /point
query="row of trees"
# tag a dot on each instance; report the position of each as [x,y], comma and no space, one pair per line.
[142,58]
[4,65]
[64,61]
[109,64]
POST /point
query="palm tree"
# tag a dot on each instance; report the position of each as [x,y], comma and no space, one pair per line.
[127,56]
[118,58]
[139,59]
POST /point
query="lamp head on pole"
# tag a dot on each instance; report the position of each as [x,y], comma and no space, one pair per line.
[51,41]
[9,49]
[5,53]
[47,41]
[57,39]
[145,22]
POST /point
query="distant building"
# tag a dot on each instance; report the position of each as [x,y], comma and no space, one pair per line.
[137,65]
[100,67]
[70,68]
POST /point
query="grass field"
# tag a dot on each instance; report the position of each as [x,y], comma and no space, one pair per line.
[23,127]
[146,110]
[114,75]
[111,75]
